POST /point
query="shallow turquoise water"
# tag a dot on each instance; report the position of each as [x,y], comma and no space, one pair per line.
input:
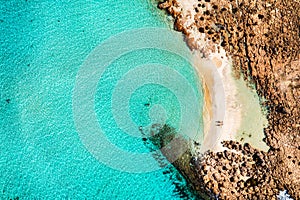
[43,44]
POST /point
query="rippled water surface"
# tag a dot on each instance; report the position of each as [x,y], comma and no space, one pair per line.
[43,44]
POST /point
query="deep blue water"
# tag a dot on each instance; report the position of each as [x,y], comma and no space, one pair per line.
[43,44]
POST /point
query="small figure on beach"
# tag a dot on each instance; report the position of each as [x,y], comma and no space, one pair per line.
[219,123]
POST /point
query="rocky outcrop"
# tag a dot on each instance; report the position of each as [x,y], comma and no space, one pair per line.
[262,37]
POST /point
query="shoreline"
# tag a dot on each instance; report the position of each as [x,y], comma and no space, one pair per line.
[223,102]
[242,169]
[227,89]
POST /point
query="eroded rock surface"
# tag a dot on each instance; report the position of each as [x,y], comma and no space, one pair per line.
[263,38]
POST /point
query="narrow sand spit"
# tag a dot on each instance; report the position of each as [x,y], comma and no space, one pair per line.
[226,99]
[219,103]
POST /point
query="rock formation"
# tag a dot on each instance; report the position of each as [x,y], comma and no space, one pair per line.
[263,38]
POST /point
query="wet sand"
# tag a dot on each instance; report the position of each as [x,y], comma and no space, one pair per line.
[227,100]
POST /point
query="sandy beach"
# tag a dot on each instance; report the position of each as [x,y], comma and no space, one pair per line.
[226,99]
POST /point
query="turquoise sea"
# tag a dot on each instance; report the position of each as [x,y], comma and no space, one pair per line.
[43,44]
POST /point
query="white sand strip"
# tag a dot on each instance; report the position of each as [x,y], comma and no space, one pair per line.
[227,100]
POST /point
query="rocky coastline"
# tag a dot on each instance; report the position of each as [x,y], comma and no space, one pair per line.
[262,38]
